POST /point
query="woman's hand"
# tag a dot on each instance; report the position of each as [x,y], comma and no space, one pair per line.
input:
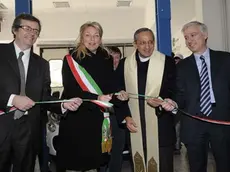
[104,98]
[122,95]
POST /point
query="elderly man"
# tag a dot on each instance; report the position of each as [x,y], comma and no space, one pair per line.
[203,90]
[150,73]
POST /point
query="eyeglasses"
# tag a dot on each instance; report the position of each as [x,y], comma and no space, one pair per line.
[29,29]
[143,43]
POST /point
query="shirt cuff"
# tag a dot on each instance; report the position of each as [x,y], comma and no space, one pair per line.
[10,101]
[63,110]
[175,110]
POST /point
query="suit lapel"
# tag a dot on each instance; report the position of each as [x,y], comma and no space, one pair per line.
[32,70]
[194,77]
[194,69]
[215,64]
[12,59]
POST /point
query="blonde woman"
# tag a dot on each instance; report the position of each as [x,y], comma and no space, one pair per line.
[80,146]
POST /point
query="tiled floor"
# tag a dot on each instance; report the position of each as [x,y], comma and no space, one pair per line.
[180,163]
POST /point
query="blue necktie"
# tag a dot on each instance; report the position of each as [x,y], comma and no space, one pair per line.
[205,97]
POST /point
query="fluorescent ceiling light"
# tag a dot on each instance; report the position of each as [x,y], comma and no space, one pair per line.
[61,4]
[124,3]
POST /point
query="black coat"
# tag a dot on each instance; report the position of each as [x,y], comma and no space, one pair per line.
[80,131]
[188,93]
[37,88]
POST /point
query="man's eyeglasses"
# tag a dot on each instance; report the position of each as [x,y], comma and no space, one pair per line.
[29,29]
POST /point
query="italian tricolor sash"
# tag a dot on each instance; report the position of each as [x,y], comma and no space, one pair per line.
[87,83]
[11,110]
[153,85]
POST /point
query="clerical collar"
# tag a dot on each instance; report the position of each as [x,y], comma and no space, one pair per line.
[143,59]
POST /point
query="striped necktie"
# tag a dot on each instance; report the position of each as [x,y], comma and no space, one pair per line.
[205,97]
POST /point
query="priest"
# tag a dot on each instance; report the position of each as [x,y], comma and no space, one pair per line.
[149,78]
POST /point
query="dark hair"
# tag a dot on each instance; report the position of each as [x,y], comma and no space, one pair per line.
[144,29]
[17,21]
[115,50]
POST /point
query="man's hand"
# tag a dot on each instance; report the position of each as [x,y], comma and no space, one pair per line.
[168,104]
[104,98]
[72,105]
[131,125]
[154,102]
[123,96]
[22,103]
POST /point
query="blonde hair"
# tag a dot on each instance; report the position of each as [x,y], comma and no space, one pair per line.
[80,48]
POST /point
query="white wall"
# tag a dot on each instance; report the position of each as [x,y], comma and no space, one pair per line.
[213,14]
[5,33]
[150,15]
[117,23]
[181,12]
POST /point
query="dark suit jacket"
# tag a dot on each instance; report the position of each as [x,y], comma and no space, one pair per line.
[165,119]
[188,91]
[37,88]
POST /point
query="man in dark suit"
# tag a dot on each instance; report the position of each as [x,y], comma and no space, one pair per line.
[204,90]
[148,69]
[25,79]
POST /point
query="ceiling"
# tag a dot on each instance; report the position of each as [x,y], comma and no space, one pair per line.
[75,4]
[178,17]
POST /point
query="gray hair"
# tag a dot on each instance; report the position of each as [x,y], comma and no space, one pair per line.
[144,29]
[203,27]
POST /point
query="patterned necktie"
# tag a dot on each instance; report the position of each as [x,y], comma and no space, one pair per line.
[205,97]
[18,114]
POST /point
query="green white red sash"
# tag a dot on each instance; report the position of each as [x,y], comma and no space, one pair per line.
[87,83]
[11,110]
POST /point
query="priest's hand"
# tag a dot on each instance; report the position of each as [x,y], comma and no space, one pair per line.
[169,104]
[105,98]
[72,105]
[154,102]
[123,96]
[131,125]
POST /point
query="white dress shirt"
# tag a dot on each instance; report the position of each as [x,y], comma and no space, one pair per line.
[25,60]
[206,55]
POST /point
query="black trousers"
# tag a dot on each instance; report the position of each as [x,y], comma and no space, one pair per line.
[166,158]
[118,145]
[17,149]
[218,138]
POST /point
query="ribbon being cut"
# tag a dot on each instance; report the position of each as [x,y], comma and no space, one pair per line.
[98,102]
[87,83]
[183,112]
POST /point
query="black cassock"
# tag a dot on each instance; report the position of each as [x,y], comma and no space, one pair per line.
[165,119]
